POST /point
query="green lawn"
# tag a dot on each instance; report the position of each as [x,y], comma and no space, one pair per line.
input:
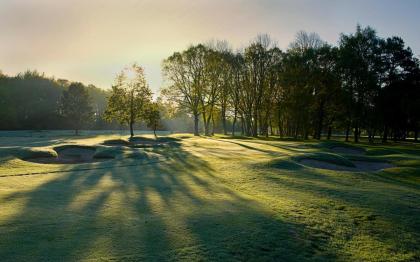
[209,199]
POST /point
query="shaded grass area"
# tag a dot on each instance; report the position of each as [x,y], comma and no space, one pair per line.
[326,157]
[211,200]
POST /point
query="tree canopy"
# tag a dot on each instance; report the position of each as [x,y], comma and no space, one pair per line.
[130,96]
[309,89]
[75,105]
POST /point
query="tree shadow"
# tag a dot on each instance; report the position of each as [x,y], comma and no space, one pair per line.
[270,152]
[393,203]
[137,210]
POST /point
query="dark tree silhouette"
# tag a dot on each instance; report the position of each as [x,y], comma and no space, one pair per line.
[75,106]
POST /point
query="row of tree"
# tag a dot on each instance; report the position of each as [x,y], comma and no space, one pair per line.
[366,85]
[32,101]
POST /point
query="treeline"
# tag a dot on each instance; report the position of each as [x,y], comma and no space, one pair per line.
[367,85]
[32,101]
[364,86]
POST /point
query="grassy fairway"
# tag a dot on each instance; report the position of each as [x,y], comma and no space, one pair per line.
[210,199]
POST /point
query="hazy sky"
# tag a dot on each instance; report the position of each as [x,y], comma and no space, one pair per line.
[91,40]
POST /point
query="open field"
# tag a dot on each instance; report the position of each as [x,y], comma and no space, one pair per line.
[207,199]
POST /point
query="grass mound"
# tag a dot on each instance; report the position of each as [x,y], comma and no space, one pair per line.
[325,157]
[335,144]
[284,163]
[141,142]
[347,150]
[408,162]
[137,155]
[406,174]
[161,139]
[381,152]
[116,142]
[74,147]
[108,152]
[35,152]
[365,158]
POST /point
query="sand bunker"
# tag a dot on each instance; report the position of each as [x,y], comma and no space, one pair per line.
[359,165]
[69,155]
[348,150]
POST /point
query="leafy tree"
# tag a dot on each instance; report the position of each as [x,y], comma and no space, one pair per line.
[75,106]
[153,116]
[130,96]
[185,71]
[360,61]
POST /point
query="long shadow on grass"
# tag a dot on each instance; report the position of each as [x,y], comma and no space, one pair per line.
[172,210]
[270,152]
[395,204]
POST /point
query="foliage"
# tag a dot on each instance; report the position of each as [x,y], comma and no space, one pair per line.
[309,90]
[31,101]
[152,116]
[130,97]
[75,105]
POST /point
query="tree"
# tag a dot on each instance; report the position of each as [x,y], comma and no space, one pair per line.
[129,98]
[360,62]
[185,71]
[153,116]
[75,105]
[222,79]
[305,41]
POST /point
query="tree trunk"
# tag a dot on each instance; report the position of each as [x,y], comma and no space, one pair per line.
[207,128]
[416,134]
[348,132]
[271,129]
[154,130]
[370,136]
[373,135]
[224,121]
[242,126]
[356,133]
[280,125]
[212,126]
[329,132]
[131,113]
[385,136]
[196,124]
[255,126]
[205,124]
[131,129]
[320,121]
[76,132]
[233,125]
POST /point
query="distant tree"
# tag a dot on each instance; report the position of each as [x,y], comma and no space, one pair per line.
[305,41]
[129,98]
[75,106]
[152,116]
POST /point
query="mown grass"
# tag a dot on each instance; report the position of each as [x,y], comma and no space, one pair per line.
[326,157]
[208,200]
